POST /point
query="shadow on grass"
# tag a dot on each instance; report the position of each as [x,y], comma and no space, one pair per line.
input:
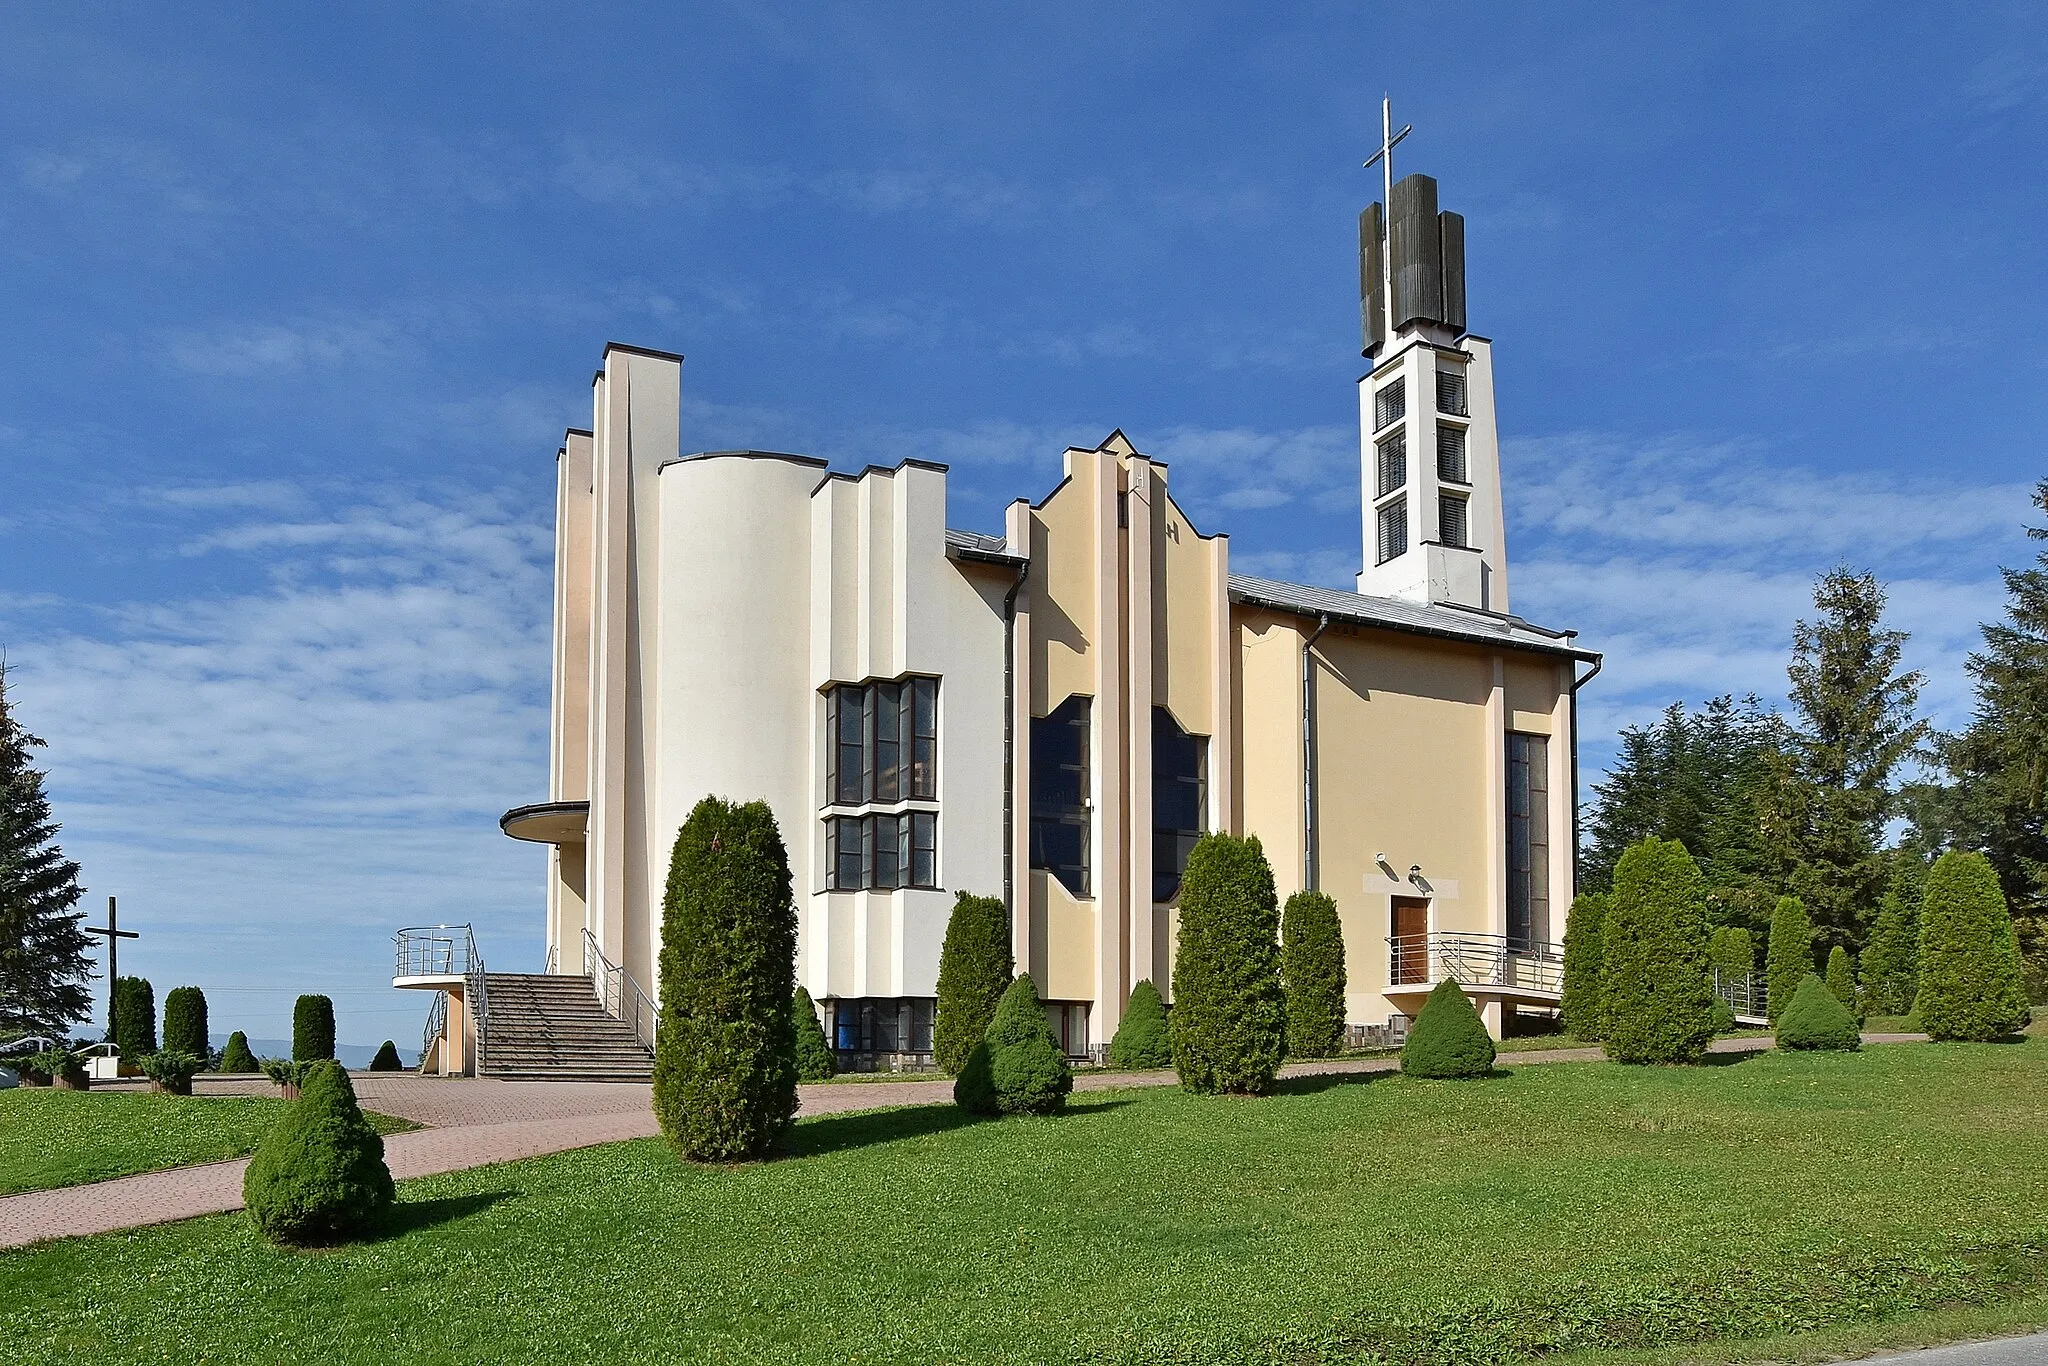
[866,1128]
[1316,1082]
[410,1216]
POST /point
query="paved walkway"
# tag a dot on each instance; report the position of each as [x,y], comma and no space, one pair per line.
[2026,1351]
[473,1122]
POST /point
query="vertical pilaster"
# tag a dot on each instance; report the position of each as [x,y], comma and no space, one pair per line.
[1017,536]
[1496,808]
[1105,474]
[1139,533]
[1563,742]
[1223,730]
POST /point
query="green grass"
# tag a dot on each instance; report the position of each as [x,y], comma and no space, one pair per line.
[1563,1206]
[52,1138]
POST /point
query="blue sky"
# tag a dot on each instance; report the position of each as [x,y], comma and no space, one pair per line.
[299,301]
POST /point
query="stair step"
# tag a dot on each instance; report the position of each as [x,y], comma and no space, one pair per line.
[552,1027]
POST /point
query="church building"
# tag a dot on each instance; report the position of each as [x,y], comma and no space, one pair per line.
[1054,713]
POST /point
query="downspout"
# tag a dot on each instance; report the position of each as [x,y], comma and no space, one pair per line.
[1309,852]
[1010,740]
[1578,683]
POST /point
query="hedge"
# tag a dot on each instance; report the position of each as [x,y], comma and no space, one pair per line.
[1841,980]
[1890,976]
[1816,1018]
[1312,975]
[387,1059]
[1657,1001]
[319,1176]
[1017,1068]
[1229,1021]
[974,970]
[134,1018]
[1971,985]
[236,1059]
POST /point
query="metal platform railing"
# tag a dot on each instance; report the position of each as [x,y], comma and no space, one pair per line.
[447,951]
[1744,992]
[1476,961]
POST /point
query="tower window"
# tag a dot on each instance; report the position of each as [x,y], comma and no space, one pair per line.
[1450,393]
[1060,818]
[1393,529]
[1390,404]
[1391,457]
[1450,520]
[1180,792]
[1450,455]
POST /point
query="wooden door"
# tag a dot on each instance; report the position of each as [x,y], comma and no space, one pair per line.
[1411,940]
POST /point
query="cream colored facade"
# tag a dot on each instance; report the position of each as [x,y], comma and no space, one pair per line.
[755,625]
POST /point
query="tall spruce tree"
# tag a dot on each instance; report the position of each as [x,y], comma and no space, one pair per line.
[725,1049]
[1890,970]
[974,971]
[1312,974]
[1831,787]
[1970,980]
[44,966]
[1657,1002]
[1229,1019]
[1790,956]
[1580,1000]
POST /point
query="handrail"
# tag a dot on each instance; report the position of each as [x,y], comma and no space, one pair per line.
[618,993]
[435,951]
[437,1025]
[1746,993]
[1475,960]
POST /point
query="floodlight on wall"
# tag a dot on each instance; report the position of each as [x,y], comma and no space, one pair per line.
[1415,876]
[1386,867]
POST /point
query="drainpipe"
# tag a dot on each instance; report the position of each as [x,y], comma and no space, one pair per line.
[1578,683]
[1309,852]
[1010,740]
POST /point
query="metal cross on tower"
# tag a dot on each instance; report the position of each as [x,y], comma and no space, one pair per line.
[113,934]
[1385,157]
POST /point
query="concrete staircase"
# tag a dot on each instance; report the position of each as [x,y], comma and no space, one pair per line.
[550,1027]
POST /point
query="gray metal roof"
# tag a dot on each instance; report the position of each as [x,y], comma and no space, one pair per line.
[1396,614]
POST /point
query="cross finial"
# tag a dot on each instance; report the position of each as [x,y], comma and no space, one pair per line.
[1385,157]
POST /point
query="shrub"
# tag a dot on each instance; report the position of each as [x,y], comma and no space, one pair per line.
[974,970]
[1312,975]
[319,1176]
[312,1029]
[236,1057]
[1841,980]
[171,1070]
[57,1066]
[1890,977]
[1580,1001]
[1141,1040]
[814,1058]
[1790,956]
[1970,977]
[134,1018]
[1017,1068]
[1730,949]
[387,1059]
[185,1022]
[285,1073]
[1815,1018]
[1657,1002]
[725,1051]
[1448,1039]
[1229,1020]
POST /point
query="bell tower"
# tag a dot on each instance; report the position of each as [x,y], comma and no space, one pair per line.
[1429,452]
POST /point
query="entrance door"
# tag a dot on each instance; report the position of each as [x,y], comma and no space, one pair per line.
[1411,940]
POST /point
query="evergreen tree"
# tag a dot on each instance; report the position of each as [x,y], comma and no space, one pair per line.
[815,1060]
[1580,1000]
[1970,980]
[1841,980]
[185,1022]
[387,1059]
[1448,1039]
[1656,999]
[1891,963]
[1312,975]
[319,1176]
[1831,789]
[236,1059]
[1732,951]
[1229,1020]
[1790,956]
[1815,1018]
[725,1050]
[975,968]
[43,945]
[1017,1068]
[1141,1042]
[312,1029]
[134,1017]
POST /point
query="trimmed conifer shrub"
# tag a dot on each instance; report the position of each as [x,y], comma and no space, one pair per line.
[134,1018]
[1229,1020]
[236,1059]
[1026,1072]
[1312,975]
[1815,1018]
[171,1070]
[1141,1040]
[974,970]
[312,1029]
[1971,985]
[725,1050]
[1890,970]
[1790,956]
[185,1022]
[815,1060]
[319,1176]
[1657,1001]
[387,1059]
[1841,980]
[1448,1039]
[1579,1003]
[1730,951]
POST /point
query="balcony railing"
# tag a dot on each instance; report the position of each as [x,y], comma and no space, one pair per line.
[1744,993]
[446,951]
[1476,961]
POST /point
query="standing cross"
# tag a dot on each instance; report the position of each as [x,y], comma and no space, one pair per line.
[1385,157]
[113,934]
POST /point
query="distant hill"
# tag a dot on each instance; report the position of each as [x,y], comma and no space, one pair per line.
[349,1054]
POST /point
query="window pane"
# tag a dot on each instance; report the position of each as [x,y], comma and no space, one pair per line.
[1393,464]
[888,704]
[1450,455]
[921,1024]
[924,845]
[1450,520]
[924,757]
[1059,794]
[1450,393]
[849,789]
[1179,800]
[1393,536]
[1390,404]
[846,841]
[882,869]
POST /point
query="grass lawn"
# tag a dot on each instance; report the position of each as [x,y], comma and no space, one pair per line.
[54,1138]
[1352,1219]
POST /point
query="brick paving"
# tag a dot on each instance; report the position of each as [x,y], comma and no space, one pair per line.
[477,1121]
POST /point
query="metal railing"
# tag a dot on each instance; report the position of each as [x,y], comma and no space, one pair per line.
[1744,992]
[618,993]
[437,1025]
[448,951]
[1476,960]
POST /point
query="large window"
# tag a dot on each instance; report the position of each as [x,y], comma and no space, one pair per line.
[1390,404]
[884,742]
[1180,796]
[898,1024]
[1391,458]
[1393,527]
[882,852]
[1059,793]
[1528,839]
